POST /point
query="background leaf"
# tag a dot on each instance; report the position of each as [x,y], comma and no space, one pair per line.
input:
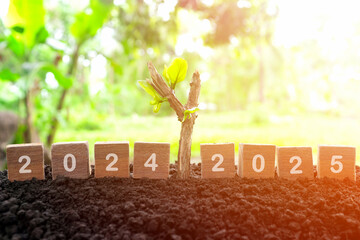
[26,18]
[65,82]
[87,23]
[6,74]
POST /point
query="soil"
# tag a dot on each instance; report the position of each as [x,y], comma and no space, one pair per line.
[236,208]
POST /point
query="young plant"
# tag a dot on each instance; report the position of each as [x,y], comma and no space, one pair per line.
[163,90]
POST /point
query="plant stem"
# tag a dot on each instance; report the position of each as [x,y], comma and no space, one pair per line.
[184,153]
[160,86]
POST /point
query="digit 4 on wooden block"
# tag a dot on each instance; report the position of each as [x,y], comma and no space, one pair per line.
[336,162]
[111,159]
[295,162]
[217,160]
[151,160]
[70,159]
[25,161]
[256,161]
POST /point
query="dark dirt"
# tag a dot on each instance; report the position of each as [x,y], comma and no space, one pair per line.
[235,208]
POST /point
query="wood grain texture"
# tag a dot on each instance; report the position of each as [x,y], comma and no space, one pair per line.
[346,156]
[209,151]
[80,150]
[35,151]
[184,153]
[284,166]
[104,156]
[143,151]
[247,152]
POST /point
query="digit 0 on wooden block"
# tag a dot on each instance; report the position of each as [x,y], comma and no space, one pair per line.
[70,159]
[256,161]
[336,162]
[111,159]
[295,162]
[25,161]
[217,160]
[151,160]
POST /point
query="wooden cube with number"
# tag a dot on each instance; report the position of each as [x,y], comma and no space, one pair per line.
[336,162]
[70,159]
[295,162]
[151,160]
[25,161]
[256,161]
[111,159]
[217,160]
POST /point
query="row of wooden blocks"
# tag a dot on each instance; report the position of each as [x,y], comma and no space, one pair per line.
[151,160]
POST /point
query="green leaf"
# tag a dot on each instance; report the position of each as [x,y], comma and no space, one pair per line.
[63,81]
[88,22]
[157,107]
[25,17]
[152,92]
[18,29]
[177,71]
[17,47]
[166,76]
[41,35]
[188,112]
[148,88]
[6,74]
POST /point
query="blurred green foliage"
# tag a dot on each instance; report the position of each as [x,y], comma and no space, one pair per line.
[76,64]
[60,58]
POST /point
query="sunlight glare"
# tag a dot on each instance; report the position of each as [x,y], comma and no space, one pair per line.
[4,7]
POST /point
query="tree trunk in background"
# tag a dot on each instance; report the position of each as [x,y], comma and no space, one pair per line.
[60,105]
[184,154]
[261,74]
[30,134]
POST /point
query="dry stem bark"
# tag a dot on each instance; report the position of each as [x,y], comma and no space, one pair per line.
[158,83]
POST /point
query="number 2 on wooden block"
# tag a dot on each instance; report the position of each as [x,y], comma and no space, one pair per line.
[216,167]
[294,169]
[217,160]
[111,159]
[110,167]
[27,163]
[295,162]
[151,162]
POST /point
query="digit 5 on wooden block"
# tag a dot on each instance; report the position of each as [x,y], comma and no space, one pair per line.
[217,160]
[256,161]
[25,161]
[336,162]
[70,159]
[111,159]
[295,162]
[151,160]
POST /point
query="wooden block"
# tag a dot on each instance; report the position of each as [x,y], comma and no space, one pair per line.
[151,160]
[112,159]
[217,160]
[256,161]
[336,162]
[295,162]
[70,159]
[25,161]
